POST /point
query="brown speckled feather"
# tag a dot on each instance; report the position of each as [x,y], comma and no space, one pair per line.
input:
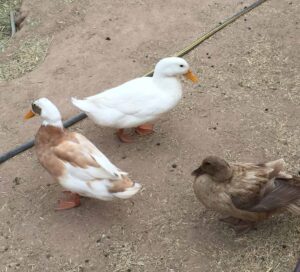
[248,183]
[258,188]
[284,192]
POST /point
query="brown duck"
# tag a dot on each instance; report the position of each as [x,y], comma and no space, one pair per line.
[246,192]
[75,162]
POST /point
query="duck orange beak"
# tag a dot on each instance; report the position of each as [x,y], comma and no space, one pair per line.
[29,115]
[191,76]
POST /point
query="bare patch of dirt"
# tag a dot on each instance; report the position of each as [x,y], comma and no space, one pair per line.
[246,108]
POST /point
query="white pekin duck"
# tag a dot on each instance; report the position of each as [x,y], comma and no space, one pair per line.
[138,102]
[75,162]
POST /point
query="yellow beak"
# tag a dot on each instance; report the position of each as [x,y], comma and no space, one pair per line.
[189,75]
[29,115]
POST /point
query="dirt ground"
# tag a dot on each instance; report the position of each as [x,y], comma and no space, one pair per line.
[246,108]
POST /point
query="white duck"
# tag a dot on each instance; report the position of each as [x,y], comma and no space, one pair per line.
[75,162]
[139,101]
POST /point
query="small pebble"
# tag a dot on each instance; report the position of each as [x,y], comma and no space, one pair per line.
[3,249]
[174,165]
[16,181]
[158,144]
[48,256]
[108,38]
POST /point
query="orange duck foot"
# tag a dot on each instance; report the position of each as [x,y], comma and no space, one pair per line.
[72,201]
[125,138]
[145,129]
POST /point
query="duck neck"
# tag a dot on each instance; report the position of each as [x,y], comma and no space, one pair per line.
[57,123]
[48,135]
[223,176]
[167,82]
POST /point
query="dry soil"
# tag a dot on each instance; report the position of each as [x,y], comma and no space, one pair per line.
[246,108]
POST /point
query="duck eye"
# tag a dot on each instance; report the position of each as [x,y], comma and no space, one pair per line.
[36,109]
[181,65]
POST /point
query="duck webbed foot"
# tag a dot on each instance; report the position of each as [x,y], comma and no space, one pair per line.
[72,201]
[244,227]
[144,129]
[124,137]
[231,220]
[240,226]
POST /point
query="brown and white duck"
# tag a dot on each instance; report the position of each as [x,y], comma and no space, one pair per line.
[77,164]
[246,192]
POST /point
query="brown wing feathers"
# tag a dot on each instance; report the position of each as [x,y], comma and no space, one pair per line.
[70,152]
[284,193]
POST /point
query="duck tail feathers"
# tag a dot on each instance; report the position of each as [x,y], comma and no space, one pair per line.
[128,192]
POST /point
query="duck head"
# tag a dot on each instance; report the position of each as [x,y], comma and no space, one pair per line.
[218,169]
[47,110]
[172,67]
